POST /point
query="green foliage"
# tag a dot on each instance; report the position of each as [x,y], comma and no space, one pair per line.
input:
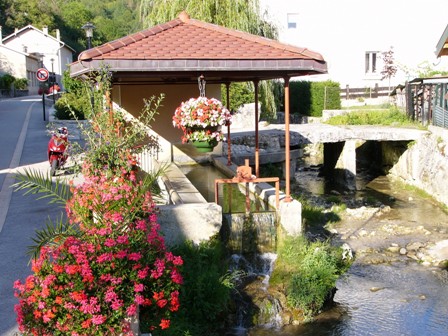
[6,81]
[240,93]
[242,15]
[113,138]
[21,83]
[315,216]
[426,69]
[324,96]
[24,12]
[71,107]
[206,290]
[76,102]
[309,271]
[393,116]
[73,85]
[51,235]
[310,98]
[244,93]
[36,182]
[113,18]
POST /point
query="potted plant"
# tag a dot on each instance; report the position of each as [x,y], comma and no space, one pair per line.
[200,120]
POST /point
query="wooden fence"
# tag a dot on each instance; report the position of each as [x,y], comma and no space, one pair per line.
[366,92]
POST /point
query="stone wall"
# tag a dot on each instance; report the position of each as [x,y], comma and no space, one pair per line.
[425,164]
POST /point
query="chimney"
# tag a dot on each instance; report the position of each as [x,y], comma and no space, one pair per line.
[58,35]
[45,30]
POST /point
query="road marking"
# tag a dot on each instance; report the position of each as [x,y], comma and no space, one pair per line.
[6,191]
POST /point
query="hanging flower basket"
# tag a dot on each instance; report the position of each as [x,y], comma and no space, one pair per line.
[201,119]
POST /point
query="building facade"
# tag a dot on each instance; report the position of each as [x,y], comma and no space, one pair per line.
[352,36]
[29,48]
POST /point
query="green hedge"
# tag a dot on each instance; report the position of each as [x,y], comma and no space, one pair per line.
[310,98]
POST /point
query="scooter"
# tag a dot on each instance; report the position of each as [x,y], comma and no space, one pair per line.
[57,149]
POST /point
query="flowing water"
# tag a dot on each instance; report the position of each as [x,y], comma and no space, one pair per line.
[398,298]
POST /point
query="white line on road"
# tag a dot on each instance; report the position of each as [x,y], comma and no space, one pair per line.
[6,192]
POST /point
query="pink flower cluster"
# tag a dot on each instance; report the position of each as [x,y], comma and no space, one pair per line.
[91,282]
[195,117]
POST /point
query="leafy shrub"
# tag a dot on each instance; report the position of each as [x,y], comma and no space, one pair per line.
[205,294]
[6,81]
[71,106]
[240,93]
[92,273]
[310,98]
[309,271]
[21,83]
[312,285]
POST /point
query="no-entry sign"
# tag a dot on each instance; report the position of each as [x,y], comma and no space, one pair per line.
[42,74]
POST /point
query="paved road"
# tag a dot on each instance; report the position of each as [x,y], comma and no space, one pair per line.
[23,141]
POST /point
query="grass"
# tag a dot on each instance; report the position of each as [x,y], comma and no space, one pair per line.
[371,116]
[317,215]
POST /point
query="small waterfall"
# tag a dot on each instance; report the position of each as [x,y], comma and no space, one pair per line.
[250,233]
[251,238]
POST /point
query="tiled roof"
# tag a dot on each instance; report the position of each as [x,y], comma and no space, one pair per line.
[186,44]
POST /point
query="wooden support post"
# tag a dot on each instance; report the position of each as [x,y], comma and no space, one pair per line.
[287,144]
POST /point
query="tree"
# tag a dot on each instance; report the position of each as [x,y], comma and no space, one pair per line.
[21,13]
[389,68]
[242,15]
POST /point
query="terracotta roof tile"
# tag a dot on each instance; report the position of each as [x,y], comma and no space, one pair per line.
[188,45]
[193,39]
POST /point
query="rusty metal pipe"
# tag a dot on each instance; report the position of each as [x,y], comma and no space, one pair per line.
[287,144]
[257,159]
[229,143]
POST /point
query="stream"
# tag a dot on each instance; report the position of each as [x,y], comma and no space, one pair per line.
[384,293]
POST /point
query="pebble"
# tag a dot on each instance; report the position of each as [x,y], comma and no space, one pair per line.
[376,289]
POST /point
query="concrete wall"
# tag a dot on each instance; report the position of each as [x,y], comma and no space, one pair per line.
[196,222]
[130,97]
[425,164]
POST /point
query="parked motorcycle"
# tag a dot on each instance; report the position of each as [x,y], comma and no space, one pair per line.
[57,149]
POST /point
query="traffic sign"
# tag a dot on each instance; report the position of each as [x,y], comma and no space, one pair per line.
[42,75]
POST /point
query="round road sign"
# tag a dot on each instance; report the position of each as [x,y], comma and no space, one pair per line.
[42,74]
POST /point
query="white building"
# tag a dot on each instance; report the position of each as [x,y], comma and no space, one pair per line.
[29,43]
[352,34]
[19,65]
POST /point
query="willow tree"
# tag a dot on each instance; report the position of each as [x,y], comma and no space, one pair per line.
[244,15]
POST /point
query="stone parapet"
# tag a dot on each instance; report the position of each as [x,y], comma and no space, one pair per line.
[190,222]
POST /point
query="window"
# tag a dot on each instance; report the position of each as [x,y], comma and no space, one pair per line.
[371,58]
[293,20]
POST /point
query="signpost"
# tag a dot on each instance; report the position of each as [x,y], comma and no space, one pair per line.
[42,75]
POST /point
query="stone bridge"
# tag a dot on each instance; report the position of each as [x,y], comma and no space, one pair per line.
[382,144]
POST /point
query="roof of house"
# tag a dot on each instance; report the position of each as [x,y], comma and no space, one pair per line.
[442,45]
[184,48]
[31,27]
